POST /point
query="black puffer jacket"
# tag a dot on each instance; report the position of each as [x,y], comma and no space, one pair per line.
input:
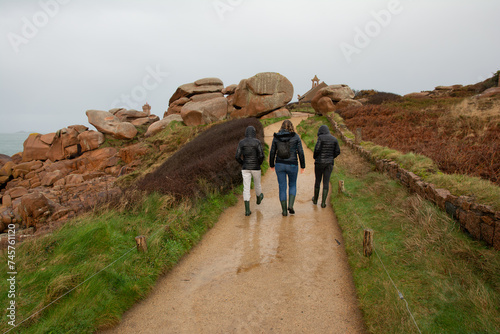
[327,147]
[249,153]
[295,149]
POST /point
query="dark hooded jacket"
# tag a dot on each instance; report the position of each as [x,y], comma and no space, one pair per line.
[295,149]
[327,147]
[249,153]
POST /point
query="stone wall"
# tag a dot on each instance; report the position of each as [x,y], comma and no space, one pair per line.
[482,222]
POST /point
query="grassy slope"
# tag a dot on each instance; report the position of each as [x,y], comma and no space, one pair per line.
[57,263]
[451,283]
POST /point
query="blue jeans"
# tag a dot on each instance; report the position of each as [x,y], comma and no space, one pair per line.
[282,171]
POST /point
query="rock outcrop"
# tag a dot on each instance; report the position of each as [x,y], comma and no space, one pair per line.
[204,111]
[162,124]
[260,95]
[282,112]
[333,97]
[108,123]
[200,102]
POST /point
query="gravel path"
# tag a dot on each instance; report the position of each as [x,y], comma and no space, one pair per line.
[259,274]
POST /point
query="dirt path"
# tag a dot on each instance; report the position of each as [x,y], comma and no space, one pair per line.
[259,274]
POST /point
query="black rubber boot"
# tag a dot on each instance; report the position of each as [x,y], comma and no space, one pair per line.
[247,208]
[283,207]
[291,200]
[323,198]
[259,198]
[316,195]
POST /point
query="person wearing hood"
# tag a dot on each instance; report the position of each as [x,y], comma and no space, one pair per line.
[326,150]
[285,149]
[250,156]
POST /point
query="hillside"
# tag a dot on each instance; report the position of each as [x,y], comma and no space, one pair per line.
[462,135]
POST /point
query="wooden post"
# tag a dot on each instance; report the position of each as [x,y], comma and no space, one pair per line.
[368,242]
[341,187]
[141,244]
[357,136]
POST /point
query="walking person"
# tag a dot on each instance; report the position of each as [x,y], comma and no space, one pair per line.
[326,150]
[285,149]
[250,155]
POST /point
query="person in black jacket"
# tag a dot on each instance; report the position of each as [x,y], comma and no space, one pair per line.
[285,148]
[250,155]
[326,150]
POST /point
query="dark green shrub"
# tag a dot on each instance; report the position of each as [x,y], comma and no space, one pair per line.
[207,162]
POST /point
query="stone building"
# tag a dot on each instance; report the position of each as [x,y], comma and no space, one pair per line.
[316,86]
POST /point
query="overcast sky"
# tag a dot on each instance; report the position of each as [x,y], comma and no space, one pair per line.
[59,58]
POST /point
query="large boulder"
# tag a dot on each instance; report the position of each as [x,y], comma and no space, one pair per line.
[52,177]
[130,115]
[48,138]
[145,120]
[162,124]
[346,103]
[229,90]
[99,160]
[261,94]
[204,112]
[107,123]
[4,158]
[20,170]
[324,105]
[176,106]
[35,208]
[133,152]
[282,112]
[326,98]
[65,144]
[90,140]
[6,171]
[35,148]
[490,92]
[201,86]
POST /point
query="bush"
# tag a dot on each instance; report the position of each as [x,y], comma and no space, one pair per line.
[381,97]
[207,162]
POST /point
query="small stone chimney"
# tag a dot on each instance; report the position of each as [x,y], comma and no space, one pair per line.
[147,109]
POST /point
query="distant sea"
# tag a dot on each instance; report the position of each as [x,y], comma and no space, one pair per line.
[11,143]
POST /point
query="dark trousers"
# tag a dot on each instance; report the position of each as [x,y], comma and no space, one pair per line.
[322,171]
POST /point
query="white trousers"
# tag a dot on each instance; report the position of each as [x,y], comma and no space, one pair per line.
[247,181]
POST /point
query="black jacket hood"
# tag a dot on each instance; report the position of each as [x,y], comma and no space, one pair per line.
[323,130]
[250,132]
[284,135]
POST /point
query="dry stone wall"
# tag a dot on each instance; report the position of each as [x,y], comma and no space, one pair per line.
[482,222]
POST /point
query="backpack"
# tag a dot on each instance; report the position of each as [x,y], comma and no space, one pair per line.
[283,149]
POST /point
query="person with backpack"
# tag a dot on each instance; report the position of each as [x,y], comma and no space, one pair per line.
[285,149]
[326,150]
[250,156]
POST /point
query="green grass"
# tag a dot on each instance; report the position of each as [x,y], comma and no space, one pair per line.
[451,282]
[75,260]
[269,121]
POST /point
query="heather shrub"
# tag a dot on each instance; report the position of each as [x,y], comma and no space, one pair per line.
[207,162]
[381,97]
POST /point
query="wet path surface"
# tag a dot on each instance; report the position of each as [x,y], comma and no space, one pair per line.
[259,274]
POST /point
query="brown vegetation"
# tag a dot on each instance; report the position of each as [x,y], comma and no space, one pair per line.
[207,162]
[461,135]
